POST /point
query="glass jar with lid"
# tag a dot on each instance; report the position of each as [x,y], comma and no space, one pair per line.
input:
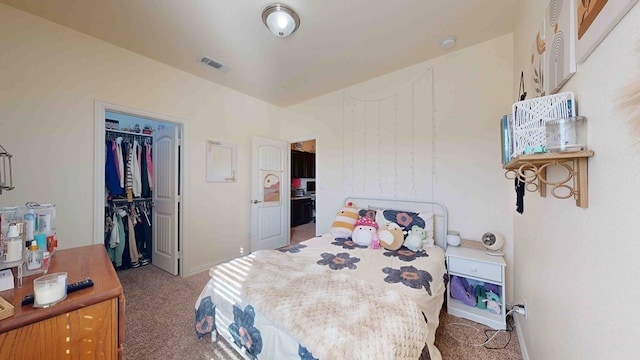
[566,134]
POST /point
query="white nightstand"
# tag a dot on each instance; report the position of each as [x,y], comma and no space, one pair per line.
[477,265]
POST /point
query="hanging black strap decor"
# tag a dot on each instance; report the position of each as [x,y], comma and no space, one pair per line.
[520,190]
[519,183]
[523,94]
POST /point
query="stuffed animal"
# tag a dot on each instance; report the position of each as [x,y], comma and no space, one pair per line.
[344,222]
[461,290]
[365,232]
[493,306]
[416,238]
[391,236]
[489,300]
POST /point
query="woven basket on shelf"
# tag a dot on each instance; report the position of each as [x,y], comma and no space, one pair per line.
[529,117]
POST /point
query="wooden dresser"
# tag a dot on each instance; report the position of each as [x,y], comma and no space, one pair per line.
[88,324]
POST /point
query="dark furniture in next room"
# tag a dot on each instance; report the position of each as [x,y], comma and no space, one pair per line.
[303,164]
[301,210]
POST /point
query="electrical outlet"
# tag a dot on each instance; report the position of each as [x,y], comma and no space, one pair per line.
[241,250]
[523,309]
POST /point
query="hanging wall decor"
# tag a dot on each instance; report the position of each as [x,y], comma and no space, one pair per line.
[271,186]
[560,58]
[389,143]
[221,161]
[629,98]
[537,67]
[594,20]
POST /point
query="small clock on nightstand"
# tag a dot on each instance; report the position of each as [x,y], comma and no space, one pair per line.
[493,242]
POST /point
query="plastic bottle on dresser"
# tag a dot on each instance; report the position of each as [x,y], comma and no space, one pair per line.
[30,225]
[12,245]
[34,256]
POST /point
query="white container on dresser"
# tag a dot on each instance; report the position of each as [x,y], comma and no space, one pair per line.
[476,264]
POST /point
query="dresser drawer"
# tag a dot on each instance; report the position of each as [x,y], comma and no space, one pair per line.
[474,268]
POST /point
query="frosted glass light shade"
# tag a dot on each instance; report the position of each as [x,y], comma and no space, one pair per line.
[281,20]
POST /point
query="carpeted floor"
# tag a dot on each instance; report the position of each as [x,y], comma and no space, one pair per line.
[159,312]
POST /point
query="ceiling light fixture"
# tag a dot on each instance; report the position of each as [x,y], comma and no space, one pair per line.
[448,42]
[280,19]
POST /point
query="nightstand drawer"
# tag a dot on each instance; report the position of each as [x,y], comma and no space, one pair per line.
[477,269]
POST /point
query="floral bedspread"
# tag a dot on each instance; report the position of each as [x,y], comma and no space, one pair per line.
[222,308]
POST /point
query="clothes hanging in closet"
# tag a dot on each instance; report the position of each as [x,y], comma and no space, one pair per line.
[116,244]
[128,166]
[128,234]
[143,232]
[112,178]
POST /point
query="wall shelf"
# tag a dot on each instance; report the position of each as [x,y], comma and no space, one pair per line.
[533,169]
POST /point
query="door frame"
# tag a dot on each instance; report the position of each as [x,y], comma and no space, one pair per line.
[300,139]
[98,178]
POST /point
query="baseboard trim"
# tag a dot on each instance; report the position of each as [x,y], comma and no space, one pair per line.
[201,268]
[523,347]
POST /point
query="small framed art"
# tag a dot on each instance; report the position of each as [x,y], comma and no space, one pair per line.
[221,161]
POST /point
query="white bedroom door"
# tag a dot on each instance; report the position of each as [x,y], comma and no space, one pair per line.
[269,194]
[166,199]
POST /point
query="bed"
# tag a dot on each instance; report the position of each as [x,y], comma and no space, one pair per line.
[330,298]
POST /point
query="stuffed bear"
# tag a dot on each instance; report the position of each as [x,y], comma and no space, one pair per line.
[416,238]
[391,236]
[343,224]
[365,233]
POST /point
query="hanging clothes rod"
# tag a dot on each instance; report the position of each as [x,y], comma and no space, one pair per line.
[128,133]
[127,200]
[128,136]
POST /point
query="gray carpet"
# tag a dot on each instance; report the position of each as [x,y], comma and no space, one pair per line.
[159,314]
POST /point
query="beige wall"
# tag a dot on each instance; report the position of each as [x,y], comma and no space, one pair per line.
[472,89]
[50,78]
[574,267]
[577,268]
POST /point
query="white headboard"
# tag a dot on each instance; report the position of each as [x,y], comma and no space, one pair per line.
[441,217]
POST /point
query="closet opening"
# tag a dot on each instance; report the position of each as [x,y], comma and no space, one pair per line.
[303,190]
[138,188]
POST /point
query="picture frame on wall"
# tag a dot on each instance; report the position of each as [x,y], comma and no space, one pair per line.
[560,56]
[594,20]
[222,161]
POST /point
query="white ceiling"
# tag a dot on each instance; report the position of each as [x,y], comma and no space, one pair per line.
[339,42]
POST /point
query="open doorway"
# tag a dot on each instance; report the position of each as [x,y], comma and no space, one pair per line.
[303,190]
[160,207]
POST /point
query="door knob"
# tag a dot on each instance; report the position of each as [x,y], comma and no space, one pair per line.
[256,201]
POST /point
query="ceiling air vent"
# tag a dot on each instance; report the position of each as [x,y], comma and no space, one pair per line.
[214,64]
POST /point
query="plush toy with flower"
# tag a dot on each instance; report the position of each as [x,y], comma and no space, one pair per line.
[365,233]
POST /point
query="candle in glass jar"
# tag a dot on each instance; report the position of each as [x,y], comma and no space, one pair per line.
[50,288]
[50,294]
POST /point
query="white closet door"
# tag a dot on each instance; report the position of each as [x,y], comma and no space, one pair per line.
[164,226]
